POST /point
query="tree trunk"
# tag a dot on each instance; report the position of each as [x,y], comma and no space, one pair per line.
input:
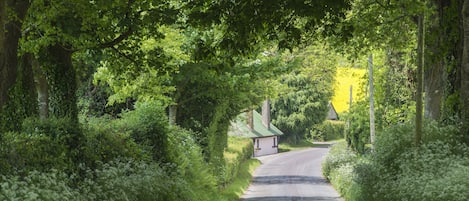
[434,89]
[61,78]
[42,89]
[436,67]
[27,91]
[464,90]
[372,102]
[10,34]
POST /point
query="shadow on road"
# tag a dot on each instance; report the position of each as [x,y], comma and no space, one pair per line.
[266,180]
[317,198]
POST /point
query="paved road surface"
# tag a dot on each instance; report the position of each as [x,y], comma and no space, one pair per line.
[291,176]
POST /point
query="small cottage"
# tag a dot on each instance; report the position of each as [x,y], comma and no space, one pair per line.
[253,125]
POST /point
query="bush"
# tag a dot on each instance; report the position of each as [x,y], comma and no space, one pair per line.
[328,130]
[105,142]
[339,168]
[148,126]
[38,186]
[121,180]
[117,180]
[399,170]
[27,152]
[358,133]
[186,155]
[338,155]
[433,172]
[64,131]
[238,151]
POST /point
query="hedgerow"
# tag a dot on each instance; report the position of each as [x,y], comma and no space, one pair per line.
[398,170]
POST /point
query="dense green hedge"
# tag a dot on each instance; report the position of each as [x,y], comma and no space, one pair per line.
[328,130]
[134,157]
[238,151]
[398,170]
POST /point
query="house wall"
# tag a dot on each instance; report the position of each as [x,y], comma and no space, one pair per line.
[265,146]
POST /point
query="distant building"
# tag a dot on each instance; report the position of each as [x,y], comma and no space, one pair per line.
[332,115]
[253,125]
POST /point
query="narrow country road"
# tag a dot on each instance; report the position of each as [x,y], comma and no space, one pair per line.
[291,176]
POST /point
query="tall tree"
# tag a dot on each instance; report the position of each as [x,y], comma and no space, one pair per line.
[12,13]
[305,102]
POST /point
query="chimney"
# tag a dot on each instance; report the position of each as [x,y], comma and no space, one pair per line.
[250,120]
[266,113]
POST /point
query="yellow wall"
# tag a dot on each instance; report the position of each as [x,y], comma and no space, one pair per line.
[344,78]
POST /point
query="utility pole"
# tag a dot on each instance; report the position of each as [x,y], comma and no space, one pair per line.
[372,104]
[418,96]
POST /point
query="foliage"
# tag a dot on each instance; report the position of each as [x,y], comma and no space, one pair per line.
[395,90]
[362,30]
[245,24]
[186,155]
[22,99]
[237,152]
[106,142]
[30,151]
[338,155]
[148,126]
[328,130]
[357,133]
[115,181]
[64,131]
[310,89]
[389,173]
[242,180]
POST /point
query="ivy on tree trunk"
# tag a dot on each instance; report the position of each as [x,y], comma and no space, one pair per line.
[61,78]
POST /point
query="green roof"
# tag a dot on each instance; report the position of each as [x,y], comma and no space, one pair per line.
[240,128]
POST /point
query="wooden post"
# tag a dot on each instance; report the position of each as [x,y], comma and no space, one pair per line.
[418,96]
[372,105]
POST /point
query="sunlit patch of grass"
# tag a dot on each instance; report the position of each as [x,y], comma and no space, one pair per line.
[285,146]
[240,183]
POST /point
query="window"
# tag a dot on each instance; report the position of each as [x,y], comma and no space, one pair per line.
[258,148]
[275,143]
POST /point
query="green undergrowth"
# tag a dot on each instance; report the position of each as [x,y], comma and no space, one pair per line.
[238,151]
[399,170]
[134,157]
[237,187]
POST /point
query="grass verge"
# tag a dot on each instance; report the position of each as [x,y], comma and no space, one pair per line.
[240,183]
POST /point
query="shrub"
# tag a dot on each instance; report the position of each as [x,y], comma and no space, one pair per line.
[358,133]
[398,170]
[38,186]
[433,172]
[238,151]
[118,180]
[64,131]
[186,155]
[338,155]
[148,126]
[339,168]
[106,142]
[328,130]
[27,152]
